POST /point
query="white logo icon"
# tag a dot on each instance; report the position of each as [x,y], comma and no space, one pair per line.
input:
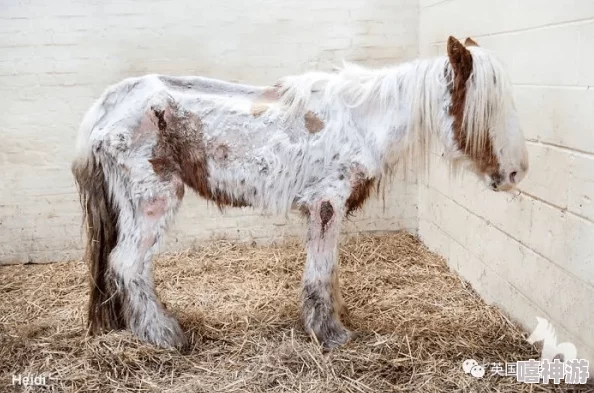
[470,366]
[545,331]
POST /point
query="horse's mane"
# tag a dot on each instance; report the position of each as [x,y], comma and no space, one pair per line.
[488,100]
[419,89]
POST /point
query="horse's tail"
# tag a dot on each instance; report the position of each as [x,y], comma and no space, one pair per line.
[100,218]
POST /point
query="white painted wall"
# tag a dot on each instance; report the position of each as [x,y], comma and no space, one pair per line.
[57,57]
[532,254]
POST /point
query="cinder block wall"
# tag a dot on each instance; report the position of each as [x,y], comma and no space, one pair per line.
[532,254]
[57,57]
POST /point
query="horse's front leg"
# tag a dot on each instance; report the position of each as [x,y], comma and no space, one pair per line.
[322,302]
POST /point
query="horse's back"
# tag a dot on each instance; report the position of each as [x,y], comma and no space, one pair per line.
[204,85]
[128,96]
[239,136]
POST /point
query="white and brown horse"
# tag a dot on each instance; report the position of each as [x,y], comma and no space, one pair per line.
[317,141]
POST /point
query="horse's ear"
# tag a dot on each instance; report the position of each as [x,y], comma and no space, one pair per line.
[470,42]
[460,58]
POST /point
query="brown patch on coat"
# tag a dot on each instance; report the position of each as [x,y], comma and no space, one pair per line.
[360,191]
[180,152]
[304,210]
[326,214]
[313,123]
[221,198]
[180,148]
[258,108]
[486,161]
[180,190]
[105,310]
[461,61]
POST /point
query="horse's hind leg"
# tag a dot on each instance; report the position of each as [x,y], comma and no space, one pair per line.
[322,301]
[142,224]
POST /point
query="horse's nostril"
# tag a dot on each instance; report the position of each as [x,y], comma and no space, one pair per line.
[512,176]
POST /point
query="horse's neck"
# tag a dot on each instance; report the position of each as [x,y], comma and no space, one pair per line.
[402,115]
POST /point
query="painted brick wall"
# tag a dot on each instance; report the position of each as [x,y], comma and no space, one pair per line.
[532,254]
[57,57]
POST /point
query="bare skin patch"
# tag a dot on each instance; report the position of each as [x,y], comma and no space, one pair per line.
[262,104]
[258,108]
[271,93]
[313,123]
[155,208]
[143,132]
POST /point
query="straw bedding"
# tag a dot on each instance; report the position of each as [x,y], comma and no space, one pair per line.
[416,322]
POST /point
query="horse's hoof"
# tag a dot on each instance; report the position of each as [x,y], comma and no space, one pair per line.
[335,339]
[329,333]
[165,334]
[175,340]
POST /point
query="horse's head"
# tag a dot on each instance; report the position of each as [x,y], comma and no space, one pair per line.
[485,131]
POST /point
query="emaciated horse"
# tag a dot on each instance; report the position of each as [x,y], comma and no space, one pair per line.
[318,142]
